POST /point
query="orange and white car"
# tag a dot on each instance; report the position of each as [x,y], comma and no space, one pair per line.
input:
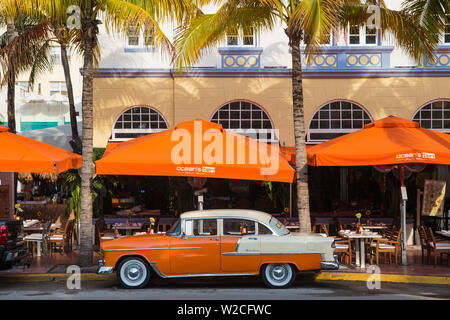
[218,243]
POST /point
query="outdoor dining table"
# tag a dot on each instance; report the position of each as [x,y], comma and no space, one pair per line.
[33,229]
[375,227]
[128,227]
[359,245]
[444,233]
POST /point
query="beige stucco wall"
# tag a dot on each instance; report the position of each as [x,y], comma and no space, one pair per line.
[188,98]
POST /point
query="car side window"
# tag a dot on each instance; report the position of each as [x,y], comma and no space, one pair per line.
[238,227]
[262,229]
[201,227]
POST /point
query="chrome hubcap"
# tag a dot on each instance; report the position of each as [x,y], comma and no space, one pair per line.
[279,274]
[133,273]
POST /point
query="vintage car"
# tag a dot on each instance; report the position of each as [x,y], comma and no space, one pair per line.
[218,243]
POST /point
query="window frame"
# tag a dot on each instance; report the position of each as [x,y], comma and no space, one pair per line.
[246,131]
[61,85]
[138,131]
[55,55]
[22,92]
[240,37]
[222,233]
[443,119]
[328,107]
[446,32]
[140,39]
[185,220]
[362,36]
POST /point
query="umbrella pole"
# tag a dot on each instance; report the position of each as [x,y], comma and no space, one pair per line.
[403,215]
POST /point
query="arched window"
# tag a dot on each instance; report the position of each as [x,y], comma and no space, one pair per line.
[137,121]
[335,119]
[434,115]
[246,118]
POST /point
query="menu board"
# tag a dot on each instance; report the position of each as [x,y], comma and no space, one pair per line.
[433,198]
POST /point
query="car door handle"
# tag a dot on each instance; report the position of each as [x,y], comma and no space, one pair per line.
[252,238]
[214,239]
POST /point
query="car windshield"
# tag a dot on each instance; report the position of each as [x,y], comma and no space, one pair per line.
[278,226]
[175,229]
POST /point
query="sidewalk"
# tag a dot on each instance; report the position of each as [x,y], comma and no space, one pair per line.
[414,272]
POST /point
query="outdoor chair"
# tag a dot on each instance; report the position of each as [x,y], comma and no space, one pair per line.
[42,239]
[424,243]
[385,246]
[437,246]
[343,245]
[62,239]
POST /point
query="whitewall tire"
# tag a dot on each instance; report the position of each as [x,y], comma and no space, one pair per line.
[278,275]
[133,273]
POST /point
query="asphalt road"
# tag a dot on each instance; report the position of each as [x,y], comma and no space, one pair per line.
[241,289]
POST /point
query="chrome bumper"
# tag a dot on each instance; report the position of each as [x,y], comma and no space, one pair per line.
[330,265]
[102,269]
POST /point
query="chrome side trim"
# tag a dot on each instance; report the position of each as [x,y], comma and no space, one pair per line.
[264,253]
[146,249]
[136,249]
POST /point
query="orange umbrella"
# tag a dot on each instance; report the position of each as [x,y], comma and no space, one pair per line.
[391,140]
[196,149]
[22,154]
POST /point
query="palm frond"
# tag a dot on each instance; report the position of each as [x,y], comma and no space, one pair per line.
[205,31]
[430,14]
[405,28]
[314,21]
[29,50]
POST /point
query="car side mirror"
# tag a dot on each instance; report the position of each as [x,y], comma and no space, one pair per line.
[183,235]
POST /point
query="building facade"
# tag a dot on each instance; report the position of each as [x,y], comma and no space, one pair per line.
[42,114]
[245,83]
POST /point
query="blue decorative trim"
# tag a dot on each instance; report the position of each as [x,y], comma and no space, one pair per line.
[272,73]
[240,57]
[442,58]
[349,57]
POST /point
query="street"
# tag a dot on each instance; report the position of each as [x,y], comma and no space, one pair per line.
[239,288]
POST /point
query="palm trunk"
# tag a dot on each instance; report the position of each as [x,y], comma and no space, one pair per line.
[72,111]
[86,239]
[301,168]
[11,83]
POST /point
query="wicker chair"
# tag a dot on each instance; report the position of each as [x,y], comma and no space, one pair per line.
[437,246]
[385,246]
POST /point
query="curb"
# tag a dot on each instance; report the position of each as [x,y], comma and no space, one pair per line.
[326,276]
[46,277]
[397,278]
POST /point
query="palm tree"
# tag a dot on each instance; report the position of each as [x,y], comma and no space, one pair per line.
[310,21]
[119,16]
[41,35]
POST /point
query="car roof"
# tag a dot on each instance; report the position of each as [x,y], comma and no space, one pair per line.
[228,213]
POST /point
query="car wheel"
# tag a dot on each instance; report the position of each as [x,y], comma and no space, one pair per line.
[278,275]
[133,273]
